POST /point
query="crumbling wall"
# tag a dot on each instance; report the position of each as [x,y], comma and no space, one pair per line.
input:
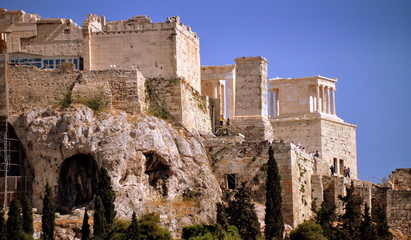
[399,210]
[399,200]
[55,37]
[248,161]
[401,179]
[32,88]
[176,97]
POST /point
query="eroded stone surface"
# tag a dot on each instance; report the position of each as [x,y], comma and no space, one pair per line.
[151,164]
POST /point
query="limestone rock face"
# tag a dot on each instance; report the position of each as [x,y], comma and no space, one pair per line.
[154,167]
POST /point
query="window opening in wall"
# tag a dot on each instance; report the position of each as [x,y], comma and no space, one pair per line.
[231,181]
[335,164]
[341,167]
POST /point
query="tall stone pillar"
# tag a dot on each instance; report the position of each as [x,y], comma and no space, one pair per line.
[272,103]
[322,99]
[318,109]
[277,103]
[328,100]
[251,110]
[251,86]
[334,110]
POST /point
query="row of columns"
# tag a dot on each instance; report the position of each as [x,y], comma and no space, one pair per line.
[326,99]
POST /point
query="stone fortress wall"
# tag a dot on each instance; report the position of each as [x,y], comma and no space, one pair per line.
[130,60]
[126,87]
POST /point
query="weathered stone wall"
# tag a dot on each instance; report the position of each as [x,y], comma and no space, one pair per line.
[399,210]
[20,25]
[248,161]
[55,37]
[159,50]
[332,139]
[3,86]
[49,85]
[401,179]
[251,86]
[182,101]
[188,55]
[126,87]
[338,140]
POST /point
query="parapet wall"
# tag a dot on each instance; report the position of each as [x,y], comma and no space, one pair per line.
[126,86]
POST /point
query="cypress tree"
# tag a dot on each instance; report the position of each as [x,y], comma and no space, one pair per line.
[274,222]
[27,217]
[351,219]
[241,213]
[367,230]
[222,218]
[99,218]
[105,192]
[3,233]
[326,216]
[48,218]
[85,228]
[382,227]
[133,232]
[15,222]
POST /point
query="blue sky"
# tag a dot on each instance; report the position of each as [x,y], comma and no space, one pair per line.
[365,44]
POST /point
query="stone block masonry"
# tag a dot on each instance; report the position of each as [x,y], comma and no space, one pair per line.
[183,102]
[247,162]
[126,87]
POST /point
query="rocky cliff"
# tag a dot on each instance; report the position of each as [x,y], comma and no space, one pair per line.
[153,165]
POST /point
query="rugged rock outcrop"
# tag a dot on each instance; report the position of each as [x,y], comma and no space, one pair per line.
[153,166]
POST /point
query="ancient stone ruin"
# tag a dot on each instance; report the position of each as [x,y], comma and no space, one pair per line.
[131,96]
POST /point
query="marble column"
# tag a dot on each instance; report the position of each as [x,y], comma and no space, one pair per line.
[277,103]
[317,107]
[334,110]
[328,100]
[272,103]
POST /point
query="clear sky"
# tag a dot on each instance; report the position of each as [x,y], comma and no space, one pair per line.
[366,44]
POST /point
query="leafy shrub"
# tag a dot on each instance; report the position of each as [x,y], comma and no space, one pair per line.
[66,100]
[210,232]
[307,231]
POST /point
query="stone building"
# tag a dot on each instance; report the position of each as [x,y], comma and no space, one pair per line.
[140,69]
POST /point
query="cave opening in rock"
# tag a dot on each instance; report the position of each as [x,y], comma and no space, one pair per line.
[16,175]
[77,182]
[158,172]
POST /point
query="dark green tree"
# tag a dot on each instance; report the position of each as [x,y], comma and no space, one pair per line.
[222,218]
[367,229]
[105,192]
[274,222]
[27,217]
[307,230]
[326,216]
[85,228]
[382,228]
[241,213]
[210,232]
[15,222]
[133,232]
[150,229]
[49,212]
[3,232]
[351,219]
[99,218]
